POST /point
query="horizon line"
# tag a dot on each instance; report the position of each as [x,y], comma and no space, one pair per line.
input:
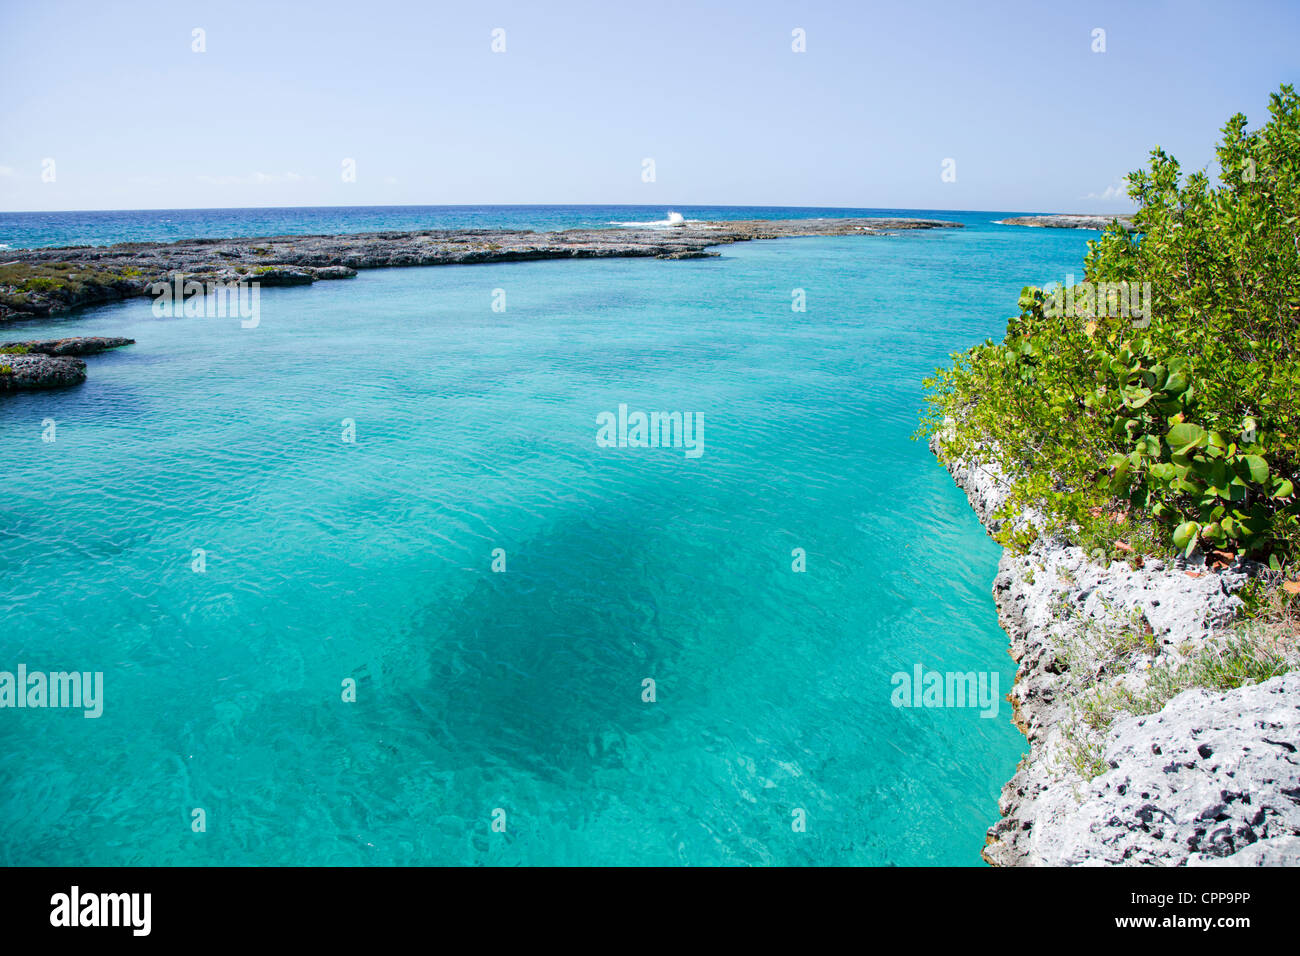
[668,205]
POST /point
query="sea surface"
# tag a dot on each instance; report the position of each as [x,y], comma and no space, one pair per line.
[20,230]
[200,532]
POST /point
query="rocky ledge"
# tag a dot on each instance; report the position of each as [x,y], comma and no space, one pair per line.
[51,363]
[78,345]
[1118,771]
[41,282]
[1068,221]
[19,372]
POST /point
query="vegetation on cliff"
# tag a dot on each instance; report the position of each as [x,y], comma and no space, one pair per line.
[1174,425]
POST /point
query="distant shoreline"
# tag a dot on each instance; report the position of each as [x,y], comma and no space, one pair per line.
[46,281]
[1068,221]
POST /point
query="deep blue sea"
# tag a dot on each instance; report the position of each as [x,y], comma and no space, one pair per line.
[201,533]
[21,230]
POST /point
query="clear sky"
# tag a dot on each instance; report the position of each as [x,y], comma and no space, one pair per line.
[1012,91]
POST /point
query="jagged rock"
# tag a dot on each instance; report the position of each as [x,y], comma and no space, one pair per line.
[690,254]
[1279,851]
[1068,221]
[81,345]
[39,371]
[277,276]
[1051,814]
[1210,775]
[334,272]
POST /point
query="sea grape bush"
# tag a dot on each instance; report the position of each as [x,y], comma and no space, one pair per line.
[1183,432]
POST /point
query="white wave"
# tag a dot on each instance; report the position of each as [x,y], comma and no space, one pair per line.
[672,219]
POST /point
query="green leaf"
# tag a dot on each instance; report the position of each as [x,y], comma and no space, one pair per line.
[1257,468]
[1185,535]
[1185,435]
[1119,480]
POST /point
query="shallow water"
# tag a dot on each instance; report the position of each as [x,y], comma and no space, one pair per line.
[522,690]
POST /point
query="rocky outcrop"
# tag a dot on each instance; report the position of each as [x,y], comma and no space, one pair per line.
[1201,779]
[33,289]
[79,345]
[41,282]
[1208,777]
[19,372]
[1067,221]
[333,272]
[690,254]
[50,363]
[281,275]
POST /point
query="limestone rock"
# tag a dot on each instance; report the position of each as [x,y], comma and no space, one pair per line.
[1211,777]
[39,371]
[81,345]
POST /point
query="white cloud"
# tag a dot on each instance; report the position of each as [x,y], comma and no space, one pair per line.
[7,172]
[1115,193]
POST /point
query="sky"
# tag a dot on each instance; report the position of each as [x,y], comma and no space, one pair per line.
[110,106]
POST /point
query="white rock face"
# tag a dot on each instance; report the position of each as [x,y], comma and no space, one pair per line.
[1211,776]
[1279,851]
[1211,779]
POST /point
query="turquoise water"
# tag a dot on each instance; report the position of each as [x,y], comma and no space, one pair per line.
[521,690]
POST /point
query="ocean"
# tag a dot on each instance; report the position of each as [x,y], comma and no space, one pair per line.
[648,681]
[25,230]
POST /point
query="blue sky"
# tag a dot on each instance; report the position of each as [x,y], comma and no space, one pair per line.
[584,92]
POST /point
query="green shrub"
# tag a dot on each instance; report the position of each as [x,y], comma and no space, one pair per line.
[1179,428]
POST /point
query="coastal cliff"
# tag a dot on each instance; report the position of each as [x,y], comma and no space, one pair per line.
[1130,762]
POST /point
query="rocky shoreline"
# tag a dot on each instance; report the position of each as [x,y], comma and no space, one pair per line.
[41,282]
[50,364]
[1067,221]
[1209,778]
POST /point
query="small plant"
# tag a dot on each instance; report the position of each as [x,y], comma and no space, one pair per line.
[1099,646]
[1221,666]
[1084,753]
